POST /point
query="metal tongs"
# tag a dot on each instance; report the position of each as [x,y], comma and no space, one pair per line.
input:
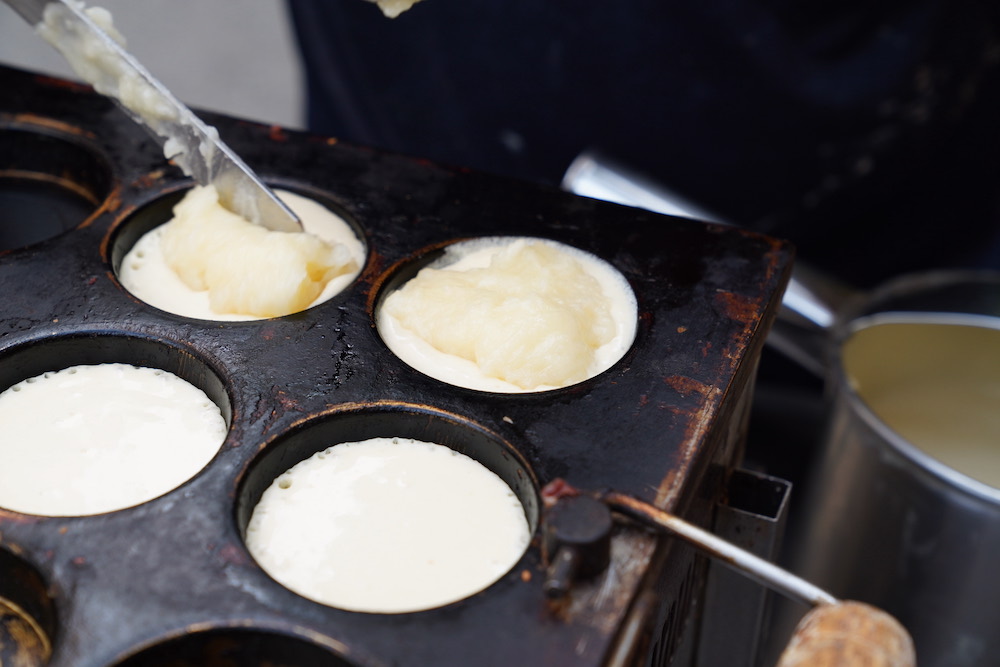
[834,633]
[93,50]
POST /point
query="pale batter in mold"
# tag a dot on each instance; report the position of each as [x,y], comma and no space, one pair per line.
[97,438]
[388,525]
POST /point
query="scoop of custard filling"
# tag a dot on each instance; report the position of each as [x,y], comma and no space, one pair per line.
[247,268]
[534,317]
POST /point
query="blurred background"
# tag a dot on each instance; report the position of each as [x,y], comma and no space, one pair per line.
[237,58]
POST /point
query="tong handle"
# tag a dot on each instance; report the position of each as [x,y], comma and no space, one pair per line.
[835,633]
[848,633]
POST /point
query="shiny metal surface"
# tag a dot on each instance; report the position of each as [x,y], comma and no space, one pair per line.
[891,526]
[753,517]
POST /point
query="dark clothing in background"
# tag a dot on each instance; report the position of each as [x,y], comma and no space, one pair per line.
[866,133]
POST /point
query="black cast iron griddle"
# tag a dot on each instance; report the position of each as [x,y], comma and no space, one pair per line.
[170,581]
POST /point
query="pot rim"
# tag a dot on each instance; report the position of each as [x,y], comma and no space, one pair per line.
[866,312]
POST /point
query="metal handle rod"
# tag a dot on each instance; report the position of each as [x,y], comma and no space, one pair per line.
[766,573]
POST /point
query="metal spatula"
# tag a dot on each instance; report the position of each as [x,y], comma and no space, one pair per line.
[91,49]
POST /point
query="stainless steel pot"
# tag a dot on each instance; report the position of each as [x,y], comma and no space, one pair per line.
[887,523]
[881,521]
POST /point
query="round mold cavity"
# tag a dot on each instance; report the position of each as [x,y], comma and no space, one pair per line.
[50,182]
[236,647]
[540,336]
[174,466]
[136,244]
[356,426]
[27,614]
